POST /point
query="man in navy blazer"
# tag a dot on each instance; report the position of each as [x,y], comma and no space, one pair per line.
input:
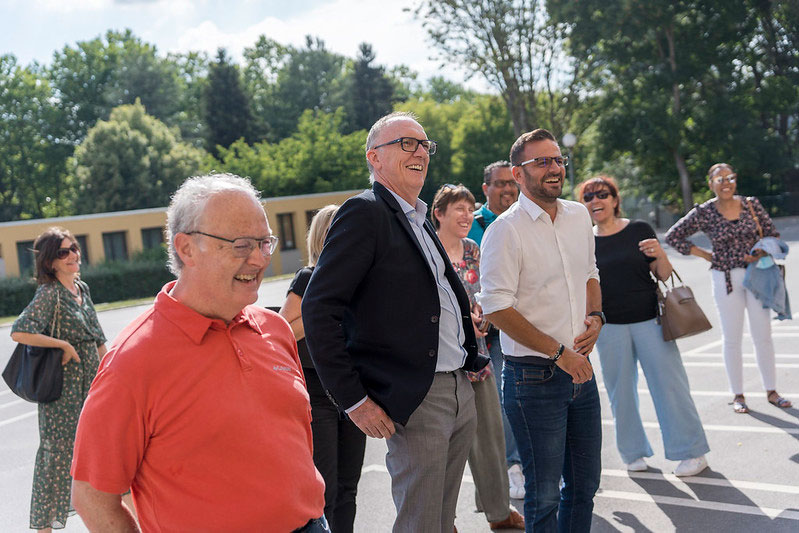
[389,329]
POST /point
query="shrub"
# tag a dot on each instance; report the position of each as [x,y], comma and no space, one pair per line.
[108,282]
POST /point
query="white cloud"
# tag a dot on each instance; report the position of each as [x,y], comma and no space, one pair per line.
[395,35]
[70,6]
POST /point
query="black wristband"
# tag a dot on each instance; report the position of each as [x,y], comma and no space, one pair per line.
[558,353]
[600,314]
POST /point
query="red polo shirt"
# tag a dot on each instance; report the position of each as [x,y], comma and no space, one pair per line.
[208,423]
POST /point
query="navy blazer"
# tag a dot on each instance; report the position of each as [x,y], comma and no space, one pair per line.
[371,310]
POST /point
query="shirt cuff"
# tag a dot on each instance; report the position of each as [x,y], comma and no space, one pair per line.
[357,405]
[491,303]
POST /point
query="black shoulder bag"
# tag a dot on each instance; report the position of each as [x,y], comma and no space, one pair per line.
[35,373]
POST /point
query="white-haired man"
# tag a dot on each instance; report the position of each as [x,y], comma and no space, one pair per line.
[201,405]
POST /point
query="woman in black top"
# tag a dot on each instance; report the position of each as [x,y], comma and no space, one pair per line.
[338,444]
[626,253]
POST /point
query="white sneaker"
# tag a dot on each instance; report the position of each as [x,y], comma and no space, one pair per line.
[639,465]
[516,479]
[690,467]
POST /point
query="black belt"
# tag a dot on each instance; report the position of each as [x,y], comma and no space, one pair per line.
[530,360]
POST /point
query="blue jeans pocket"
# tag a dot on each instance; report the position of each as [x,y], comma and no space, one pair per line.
[536,376]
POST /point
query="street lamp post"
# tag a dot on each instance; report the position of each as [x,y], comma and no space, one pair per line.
[569,141]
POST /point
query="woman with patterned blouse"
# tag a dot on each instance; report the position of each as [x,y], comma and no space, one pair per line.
[728,220]
[63,299]
[452,215]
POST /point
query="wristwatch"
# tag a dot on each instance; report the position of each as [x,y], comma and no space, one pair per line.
[558,353]
[600,314]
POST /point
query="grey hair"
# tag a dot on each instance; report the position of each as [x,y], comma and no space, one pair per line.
[377,127]
[188,204]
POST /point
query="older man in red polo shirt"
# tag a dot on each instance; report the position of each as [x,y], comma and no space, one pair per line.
[201,407]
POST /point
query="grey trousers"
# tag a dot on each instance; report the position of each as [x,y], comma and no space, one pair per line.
[426,457]
[487,456]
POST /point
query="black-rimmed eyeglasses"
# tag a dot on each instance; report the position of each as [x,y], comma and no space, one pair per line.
[409,144]
[243,246]
[544,162]
[62,253]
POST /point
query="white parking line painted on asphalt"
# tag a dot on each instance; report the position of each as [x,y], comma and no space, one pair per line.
[698,480]
[701,504]
[381,469]
[12,402]
[746,355]
[719,427]
[700,349]
[745,365]
[18,418]
[718,393]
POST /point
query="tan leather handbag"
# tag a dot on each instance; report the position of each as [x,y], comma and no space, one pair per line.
[679,314]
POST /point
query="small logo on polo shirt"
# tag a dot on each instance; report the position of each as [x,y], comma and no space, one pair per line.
[282,368]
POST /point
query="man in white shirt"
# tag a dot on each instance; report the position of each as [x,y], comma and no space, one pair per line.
[540,287]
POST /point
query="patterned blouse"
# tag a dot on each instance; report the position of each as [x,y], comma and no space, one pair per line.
[731,239]
[469,272]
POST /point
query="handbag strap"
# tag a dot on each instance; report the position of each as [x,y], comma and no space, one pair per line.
[754,217]
[56,317]
[671,278]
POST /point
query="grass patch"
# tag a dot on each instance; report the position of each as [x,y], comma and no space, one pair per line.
[109,306]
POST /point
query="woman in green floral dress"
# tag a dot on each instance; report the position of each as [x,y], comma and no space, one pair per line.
[61,300]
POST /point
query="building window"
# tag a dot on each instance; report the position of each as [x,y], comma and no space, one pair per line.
[309,217]
[25,256]
[115,246]
[285,227]
[84,249]
[152,238]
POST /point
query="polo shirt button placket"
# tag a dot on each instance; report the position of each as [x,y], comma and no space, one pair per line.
[431,353]
[434,319]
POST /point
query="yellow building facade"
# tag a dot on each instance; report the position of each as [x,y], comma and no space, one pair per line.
[119,235]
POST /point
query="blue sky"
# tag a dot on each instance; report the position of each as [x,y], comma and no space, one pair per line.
[34,29]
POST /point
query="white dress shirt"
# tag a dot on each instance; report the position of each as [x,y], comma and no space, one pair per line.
[540,268]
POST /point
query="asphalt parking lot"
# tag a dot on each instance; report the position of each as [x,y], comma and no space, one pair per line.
[752,483]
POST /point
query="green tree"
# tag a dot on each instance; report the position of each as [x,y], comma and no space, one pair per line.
[675,88]
[310,79]
[227,108]
[516,48]
[95,76]
[370,92]
[263,62]
[315,158]
[32,160]
[132,161]
[481,136]
[192,68]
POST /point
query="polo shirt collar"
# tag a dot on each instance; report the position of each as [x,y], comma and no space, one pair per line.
[192,323]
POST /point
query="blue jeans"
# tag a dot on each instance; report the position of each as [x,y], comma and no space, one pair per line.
[495,351]
[621,347]
[558,430]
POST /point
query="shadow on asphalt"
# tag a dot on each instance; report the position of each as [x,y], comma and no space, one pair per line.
[690,519]
[780,423]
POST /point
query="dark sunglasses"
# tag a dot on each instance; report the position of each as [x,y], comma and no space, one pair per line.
[602,195]
[62,253]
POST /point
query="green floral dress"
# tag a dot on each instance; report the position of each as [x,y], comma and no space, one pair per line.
[58,421]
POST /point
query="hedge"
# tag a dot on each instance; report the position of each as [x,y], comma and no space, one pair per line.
[108,282]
